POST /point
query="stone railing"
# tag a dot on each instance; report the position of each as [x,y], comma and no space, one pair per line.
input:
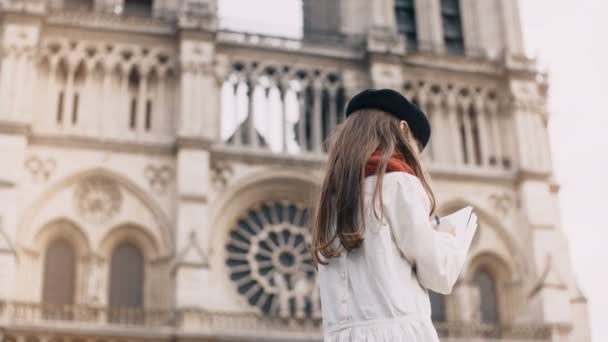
[490,332]
[19,312]
[206,324]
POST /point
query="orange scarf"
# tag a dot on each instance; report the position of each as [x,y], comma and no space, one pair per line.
[395,163]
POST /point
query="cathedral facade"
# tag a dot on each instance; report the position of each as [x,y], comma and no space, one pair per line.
[158,168]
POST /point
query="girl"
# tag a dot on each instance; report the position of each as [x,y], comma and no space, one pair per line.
[376,250]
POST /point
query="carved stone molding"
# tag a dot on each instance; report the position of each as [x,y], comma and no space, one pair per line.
[221,172]
[97,199]
[192,254]
[40,169]
[501,203]
[159,177]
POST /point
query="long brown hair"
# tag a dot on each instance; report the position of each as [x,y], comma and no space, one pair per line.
[339,203]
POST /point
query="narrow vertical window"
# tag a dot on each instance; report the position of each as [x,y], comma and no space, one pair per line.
[60,107]
[59,280]
[488,300]
[126,284]
[148,115]
[75,109]
[463,136]
[452,27]
[133,115]
[475,135]
[405,14]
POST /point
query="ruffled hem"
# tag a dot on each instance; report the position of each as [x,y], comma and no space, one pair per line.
[419,330]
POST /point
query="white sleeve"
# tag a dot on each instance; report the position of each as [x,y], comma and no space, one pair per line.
[435,255]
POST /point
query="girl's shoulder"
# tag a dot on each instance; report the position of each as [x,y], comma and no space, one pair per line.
[396,181]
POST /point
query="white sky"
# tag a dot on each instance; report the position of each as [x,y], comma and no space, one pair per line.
[569,37]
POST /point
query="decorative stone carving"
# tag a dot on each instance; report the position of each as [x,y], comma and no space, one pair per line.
[97,199]
[501,203]
[159,177]
[192,254]
[5,243]
[269,261]
[40,169]
[20,37]
[550,277]
[220,173]
[93,282]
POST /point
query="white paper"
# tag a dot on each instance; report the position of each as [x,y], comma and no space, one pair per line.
[465,226]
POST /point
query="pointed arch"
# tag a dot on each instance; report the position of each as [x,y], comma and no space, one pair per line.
[516,255]
[28,230]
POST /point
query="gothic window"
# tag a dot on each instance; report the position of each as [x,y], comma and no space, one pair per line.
[473,118]
[134,84]
[59,279]
[142,8]
[487,293]
[331,107]
[269,262]
[406,21]
[59,115]
[61,77]
[126,283]
[437,306]
[452,26]
[462,129]
[79,77]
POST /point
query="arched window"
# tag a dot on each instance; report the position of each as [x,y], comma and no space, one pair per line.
[405,13]
[487,294]
[452,26]
[126,283]
[134,84]
[437,306]
[141,8]
[59,279]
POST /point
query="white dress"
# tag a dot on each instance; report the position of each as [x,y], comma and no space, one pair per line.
[378,292]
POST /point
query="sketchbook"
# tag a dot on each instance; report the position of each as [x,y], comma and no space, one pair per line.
[465,225]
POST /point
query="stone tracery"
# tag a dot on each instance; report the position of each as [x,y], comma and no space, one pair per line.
[269,261]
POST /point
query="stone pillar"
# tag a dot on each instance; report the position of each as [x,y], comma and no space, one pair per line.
[429,26]
[464,302]
[382,36]
[198,128]
[470,27]
[514,42]
[354,16]
[19,39]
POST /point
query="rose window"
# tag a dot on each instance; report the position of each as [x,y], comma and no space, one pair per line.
[269,260]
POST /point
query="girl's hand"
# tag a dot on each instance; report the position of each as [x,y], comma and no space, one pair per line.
[446,227]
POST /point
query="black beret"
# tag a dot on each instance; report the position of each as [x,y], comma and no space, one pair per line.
[396,104]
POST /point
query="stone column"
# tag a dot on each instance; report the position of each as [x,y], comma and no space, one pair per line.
[19,41]
[470,27]
[198,128]
[512,27]
[382,35]
[428,25]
